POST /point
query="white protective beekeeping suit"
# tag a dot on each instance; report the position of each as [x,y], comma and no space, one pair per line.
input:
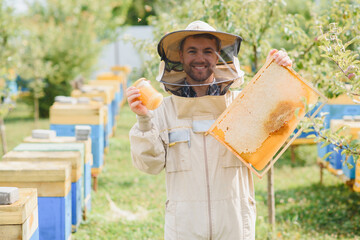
[210,193]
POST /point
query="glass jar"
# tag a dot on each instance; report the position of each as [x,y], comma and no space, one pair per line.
[149,96]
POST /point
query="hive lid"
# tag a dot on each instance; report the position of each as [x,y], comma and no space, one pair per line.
[25,171]
[20,210]
[257,124]
[51,147]
[8,195]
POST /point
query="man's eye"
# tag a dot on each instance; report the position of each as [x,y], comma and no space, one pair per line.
[192,51]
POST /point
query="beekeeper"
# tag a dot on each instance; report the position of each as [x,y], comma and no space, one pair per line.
[210,193]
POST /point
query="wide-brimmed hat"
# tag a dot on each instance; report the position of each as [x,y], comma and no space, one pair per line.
[171,71]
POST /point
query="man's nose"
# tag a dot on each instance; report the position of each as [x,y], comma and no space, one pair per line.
[200,57]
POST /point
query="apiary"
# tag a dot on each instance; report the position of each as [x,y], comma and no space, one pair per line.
[19,220]
[53,183]
[260,120]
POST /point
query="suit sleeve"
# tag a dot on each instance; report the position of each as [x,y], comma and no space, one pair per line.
[148,150]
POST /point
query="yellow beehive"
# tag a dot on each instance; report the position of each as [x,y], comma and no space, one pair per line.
[20,219]
[73,157]
[260,120]
[353,127]
[110,76]
[341,99]
[111,83]
[51,179]
[107,93]
[62,113]
[126,69]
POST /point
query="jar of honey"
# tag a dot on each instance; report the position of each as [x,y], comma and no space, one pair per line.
[148,95]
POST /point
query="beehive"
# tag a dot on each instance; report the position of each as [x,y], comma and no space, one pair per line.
[64,118]
[125,68]
[77,184]
[88,114]
[260,120]
[109,76]
[20,219]
[87,161]
[53,183]
[117,88]
[356,186]
[115,96]
[107,94]
[353,128]
[337,108]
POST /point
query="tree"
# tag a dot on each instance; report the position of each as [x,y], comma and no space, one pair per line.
[8,41]
[326,51]
[33,68]
[73,34]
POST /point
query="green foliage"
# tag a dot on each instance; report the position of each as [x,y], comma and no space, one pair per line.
[8,40]
[139,11]
[32,65]
[64,39]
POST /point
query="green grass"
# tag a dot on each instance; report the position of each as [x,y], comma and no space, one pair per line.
[129,204]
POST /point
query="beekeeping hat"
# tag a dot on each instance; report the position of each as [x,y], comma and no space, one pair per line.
[227,71]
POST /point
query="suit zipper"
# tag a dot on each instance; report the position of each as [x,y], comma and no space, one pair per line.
[208,187]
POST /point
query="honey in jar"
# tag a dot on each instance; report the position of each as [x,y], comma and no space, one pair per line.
[148,95]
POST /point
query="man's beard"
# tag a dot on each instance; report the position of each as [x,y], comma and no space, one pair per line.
[196,77]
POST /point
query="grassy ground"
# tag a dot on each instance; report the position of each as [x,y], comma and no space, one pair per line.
[130,204]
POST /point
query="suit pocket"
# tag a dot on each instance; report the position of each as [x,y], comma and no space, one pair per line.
[178,153]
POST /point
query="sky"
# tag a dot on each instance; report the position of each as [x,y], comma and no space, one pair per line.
[19,5]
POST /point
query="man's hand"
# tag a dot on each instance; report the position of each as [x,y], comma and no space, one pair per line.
[280,57]
[135,104]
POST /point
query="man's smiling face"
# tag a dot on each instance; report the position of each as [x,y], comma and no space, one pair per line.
[199,58]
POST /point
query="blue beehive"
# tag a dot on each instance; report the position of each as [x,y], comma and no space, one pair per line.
[352,124]
[87,162]
[106,93]
[349,171]
[64,118]
[53,183]
[335,158]
[337,108]
[77,188]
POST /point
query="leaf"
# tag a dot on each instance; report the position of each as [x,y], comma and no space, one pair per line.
[326,155]
[324,144]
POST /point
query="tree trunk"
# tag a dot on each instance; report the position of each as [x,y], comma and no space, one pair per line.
[255,58]
[271,198]
[36,114]
[3,136]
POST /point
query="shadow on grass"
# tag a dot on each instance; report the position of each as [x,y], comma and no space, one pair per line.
[19,119]
[332,210]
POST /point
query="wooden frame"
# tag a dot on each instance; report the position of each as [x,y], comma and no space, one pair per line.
[286,143]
